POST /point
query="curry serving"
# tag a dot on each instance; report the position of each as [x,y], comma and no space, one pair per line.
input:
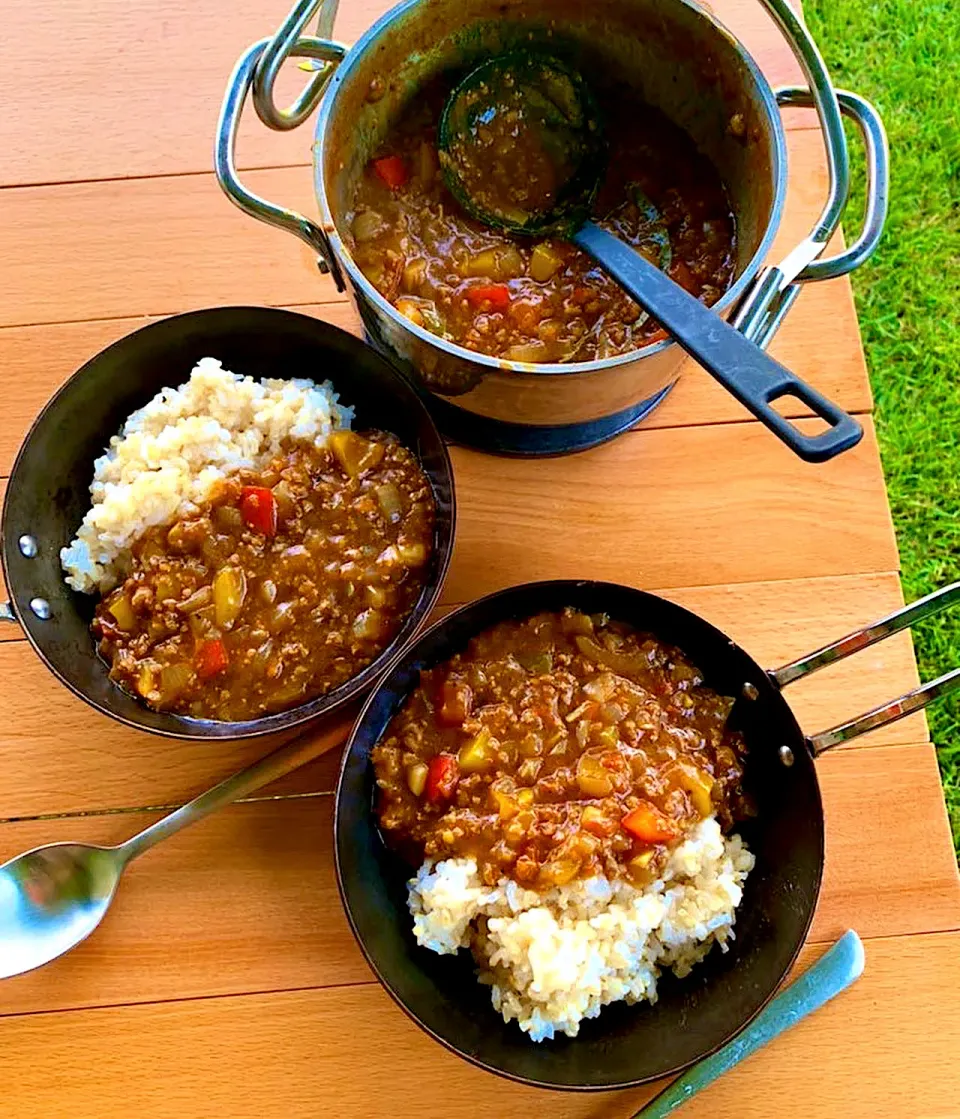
[284,585]
[557,748]
[545,300]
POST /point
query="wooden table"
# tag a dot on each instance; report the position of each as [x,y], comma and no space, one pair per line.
[225,981]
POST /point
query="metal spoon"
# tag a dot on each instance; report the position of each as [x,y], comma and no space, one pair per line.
[836,969]
[53,897]
[530,105]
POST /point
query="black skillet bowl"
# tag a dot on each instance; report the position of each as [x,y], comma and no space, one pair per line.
[48,492]
[625,1045]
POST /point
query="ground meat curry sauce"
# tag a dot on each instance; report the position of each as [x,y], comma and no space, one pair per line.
[556,748]
[283,586]
[539,300]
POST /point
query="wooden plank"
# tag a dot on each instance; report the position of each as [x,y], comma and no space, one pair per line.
[138,91]
[37,359]
[256,885]
[158,246]
[59,756]
[653,508]
[309,1062]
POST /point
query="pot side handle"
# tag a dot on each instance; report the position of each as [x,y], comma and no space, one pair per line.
[776,288]
[234,99]
[896,709]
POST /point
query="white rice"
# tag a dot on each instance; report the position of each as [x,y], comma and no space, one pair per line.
[168,454]
[554,959]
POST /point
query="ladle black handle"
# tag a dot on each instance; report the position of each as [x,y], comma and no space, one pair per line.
[751,375]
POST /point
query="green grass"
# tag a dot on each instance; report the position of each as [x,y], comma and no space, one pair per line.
[903,55]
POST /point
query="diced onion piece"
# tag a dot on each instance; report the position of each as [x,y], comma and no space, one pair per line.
[414,273]
[146,681]
[366,225]
[558,872]
[122,610]
[229,592]
[698,784]
[477,755]
[638,866]
[410,311]
[576,623]
[592,777]
[484,264]
[596,821]
[368,625]
[412,555]
[545,262]
[200,598]
[390,502]
[507,806]
[354,453]
[417,777]
[174,678]
[623,663]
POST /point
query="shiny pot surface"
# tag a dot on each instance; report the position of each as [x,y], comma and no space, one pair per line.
[677,57]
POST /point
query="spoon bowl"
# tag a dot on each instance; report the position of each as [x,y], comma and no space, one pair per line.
[51,898]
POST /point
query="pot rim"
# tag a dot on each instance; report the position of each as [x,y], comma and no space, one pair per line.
[360,282]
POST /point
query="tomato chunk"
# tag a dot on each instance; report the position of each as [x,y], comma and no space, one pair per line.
[648,824]
[258,507]
[442,777]
[497,295]
[391,170]
[211,658]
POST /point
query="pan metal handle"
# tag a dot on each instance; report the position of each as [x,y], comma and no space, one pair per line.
[863,639]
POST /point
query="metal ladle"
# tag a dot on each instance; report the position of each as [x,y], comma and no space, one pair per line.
[522,150]
[53,897]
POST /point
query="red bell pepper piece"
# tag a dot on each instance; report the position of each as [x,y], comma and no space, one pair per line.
[497,295]
[443,773]
[648,824]
[391,170]
[211,658]
[258,507]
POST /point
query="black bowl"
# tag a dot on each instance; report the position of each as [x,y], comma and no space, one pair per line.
[48,492]
[626,1045]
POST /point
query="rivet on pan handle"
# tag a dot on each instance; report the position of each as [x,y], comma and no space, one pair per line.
[863,639]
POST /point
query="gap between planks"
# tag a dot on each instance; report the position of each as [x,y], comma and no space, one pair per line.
[795,972]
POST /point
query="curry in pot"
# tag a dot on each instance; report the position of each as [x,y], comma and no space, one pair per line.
[539,300]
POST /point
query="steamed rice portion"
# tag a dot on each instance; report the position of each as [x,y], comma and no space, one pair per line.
[554,959]
[169,454]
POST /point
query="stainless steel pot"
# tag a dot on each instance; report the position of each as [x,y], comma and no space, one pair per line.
[681,60]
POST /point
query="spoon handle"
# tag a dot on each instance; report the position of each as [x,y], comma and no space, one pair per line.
[751,375]
[836,969]
[282,761]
